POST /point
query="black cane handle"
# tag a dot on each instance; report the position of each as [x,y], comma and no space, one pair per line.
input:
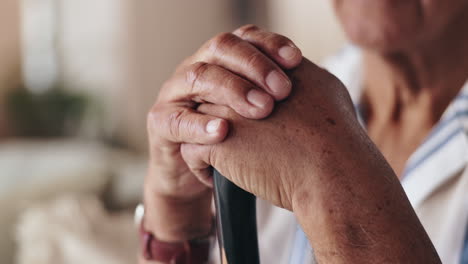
[236,222]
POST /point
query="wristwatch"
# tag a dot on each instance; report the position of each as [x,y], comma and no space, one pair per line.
[195,251]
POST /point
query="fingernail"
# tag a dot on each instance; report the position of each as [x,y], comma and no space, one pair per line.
[278,83]
[213,126]
[288,52]
[258,98]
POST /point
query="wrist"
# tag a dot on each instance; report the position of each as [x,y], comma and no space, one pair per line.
[172,219]
[154,249]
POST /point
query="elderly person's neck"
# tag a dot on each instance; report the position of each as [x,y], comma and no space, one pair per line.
[406,92]
[427,75]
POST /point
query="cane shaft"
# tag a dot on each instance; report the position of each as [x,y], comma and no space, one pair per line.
[236,222]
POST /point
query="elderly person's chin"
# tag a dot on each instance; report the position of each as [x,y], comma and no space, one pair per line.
[385,39]
[395,25]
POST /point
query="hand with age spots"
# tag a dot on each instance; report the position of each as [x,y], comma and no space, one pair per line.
[243,70]
[273,157]
[311,156]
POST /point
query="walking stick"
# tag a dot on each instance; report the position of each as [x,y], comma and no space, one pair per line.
[236,222]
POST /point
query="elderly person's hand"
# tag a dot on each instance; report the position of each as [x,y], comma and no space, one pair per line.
[311,156]
[274,158]
[243,71]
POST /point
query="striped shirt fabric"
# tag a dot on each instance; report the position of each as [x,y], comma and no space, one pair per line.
[443,154]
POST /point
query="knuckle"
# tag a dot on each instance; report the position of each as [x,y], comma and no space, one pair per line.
[228,84]
[231,85]
[195,73]
[189,127]
[277,40]
[246,29]
[175,120]
[255,60]
[222,42]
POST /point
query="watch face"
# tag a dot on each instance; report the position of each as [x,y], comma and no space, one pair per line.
[139,213]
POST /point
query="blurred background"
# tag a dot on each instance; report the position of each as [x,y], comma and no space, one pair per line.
[76,81]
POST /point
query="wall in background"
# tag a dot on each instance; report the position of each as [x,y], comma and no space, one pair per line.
[9,53]
[123,50]
[310,23]
[165,32]
[94,38]
[79,44]
[162,34]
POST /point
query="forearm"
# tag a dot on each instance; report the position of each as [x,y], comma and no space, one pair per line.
[357,212]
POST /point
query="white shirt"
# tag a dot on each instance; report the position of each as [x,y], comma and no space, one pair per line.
[435,177]
[435,180]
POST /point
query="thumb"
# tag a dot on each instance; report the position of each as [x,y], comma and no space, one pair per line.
[199,160]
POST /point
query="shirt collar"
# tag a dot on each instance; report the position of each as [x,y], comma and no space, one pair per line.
[442,155]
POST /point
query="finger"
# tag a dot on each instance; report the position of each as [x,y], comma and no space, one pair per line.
[180,124]
[197,158]
[240,57]
[211,83]
[219,111]
[279,48]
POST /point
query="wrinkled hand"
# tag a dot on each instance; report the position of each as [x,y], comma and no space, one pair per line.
[274,157]
[311,156]
[243,71]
